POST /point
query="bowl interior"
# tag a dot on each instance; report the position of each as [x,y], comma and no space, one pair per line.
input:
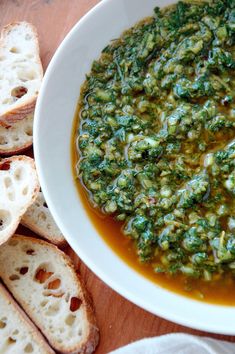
[52,138]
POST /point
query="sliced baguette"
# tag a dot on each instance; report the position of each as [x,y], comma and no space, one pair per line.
[17,137]
[43,281]
[39,219]
[18,189]
[21,71]
[17,333]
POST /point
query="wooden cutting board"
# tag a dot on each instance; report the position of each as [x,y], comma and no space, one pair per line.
[120,321]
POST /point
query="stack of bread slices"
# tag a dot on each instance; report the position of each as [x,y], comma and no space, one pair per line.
[44,306]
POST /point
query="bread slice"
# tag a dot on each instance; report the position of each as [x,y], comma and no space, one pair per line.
[43,281]
[17,137]
[39,219]
[17,333]
[18,189]
[20,71]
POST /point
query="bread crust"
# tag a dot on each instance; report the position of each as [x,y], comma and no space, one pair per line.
[92,333]
[22,110]
[19,129]
[16,151]
[12,116]
[27,322]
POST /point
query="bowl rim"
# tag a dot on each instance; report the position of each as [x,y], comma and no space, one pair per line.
[126,293]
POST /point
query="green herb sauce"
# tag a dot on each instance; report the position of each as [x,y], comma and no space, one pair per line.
[156,137]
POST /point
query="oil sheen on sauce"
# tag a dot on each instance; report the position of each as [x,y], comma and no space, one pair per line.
[217,291]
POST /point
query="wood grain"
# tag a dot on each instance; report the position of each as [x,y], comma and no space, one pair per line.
[120,321]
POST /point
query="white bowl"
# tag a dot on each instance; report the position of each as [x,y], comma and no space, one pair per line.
[52,138]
